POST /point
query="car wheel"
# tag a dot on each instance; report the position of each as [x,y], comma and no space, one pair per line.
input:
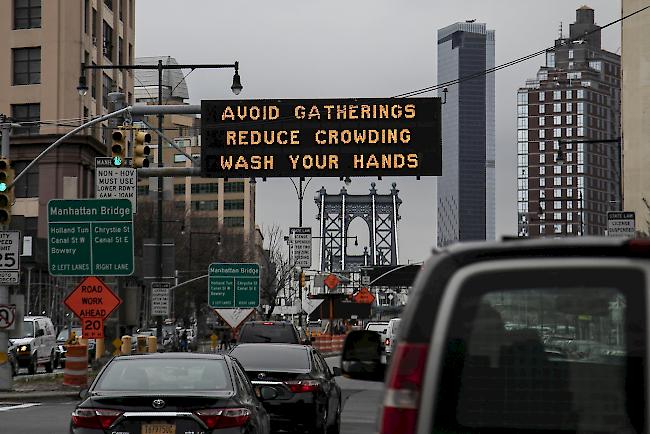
[335,428]
[31,369]
[49,366]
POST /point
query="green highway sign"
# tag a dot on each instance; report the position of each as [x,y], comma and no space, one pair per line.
[233,286]
[90,237]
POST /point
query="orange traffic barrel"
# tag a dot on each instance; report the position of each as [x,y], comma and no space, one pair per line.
[75,372]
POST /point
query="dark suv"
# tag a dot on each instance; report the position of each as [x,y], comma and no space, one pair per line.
[275,332]
[518,337]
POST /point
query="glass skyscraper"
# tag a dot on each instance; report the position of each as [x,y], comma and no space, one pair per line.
[466,189]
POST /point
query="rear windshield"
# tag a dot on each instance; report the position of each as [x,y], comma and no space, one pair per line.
[377,327]
[550,352]
[149,374]
[261,333]
[269,358]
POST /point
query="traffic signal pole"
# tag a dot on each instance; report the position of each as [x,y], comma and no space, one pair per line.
[159,249]
[6,380]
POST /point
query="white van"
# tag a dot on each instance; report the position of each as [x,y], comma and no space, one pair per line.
[391,335]
[37,346]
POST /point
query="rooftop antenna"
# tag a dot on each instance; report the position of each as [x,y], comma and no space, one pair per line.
[561,32]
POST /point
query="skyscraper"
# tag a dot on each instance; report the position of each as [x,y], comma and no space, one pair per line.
[572,106]
[466,189]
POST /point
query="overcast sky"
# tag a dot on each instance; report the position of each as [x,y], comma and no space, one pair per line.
[357,48]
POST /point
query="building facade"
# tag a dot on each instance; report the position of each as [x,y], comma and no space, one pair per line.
[466,189]
[635,111]
[230,202]
[568,137]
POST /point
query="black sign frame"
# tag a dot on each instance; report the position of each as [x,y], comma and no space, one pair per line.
[321,137]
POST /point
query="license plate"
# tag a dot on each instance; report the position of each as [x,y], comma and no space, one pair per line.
[158,428]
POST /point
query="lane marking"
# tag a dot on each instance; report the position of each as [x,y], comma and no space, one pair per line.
[16,407]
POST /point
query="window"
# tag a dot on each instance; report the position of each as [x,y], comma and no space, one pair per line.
[233,187]
[86,10]
[557,228]
[27,65]
[522,148]
[581,94]
[570,54]
[179,158]
[542,182]
[557,132]
[27,14]
[550,59]
[557,204]
[569,169]
[94,27]
[542,96]
[541,121]
[107,86]
[596,64]
[542,158]
[557,94]
[542,108]
[569,119]
[510,371]
[522,123]
[542,146]
[569,181]
[542,134]
[26,113]
[522,98]
[542,170]
[557,181]
[542,228]
[557,170]
[211,187]
[557,120]
[27,185]
[569,94]
[557,216]
[522,110]
[557,192]
[542,194]
[569,228]
[569,107]
[571,65]
[522,160]
[122,9]
[109,4]
[233,222]
[93,81]
[569,157]
[108,41]
[233,204]
[205,205]
[557,107]
[569,132]
[581,132]
[120,51]
[179,188]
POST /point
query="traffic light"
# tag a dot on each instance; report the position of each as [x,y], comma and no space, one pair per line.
[6,194]
[301,279]
[118,148]
[141,149]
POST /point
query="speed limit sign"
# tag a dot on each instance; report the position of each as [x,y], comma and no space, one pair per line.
[92,328]
[9,257]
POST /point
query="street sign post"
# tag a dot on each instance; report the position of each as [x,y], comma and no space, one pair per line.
[90,237]
[9,257]
[234,317]
[160,298]
[116,182]
[92,301]
[621,224]
[233,285]
[300,247]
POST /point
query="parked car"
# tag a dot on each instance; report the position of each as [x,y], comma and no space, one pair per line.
[172,393]
[308,396]
[37,346]
[269,332]
[458,368]
[61,350]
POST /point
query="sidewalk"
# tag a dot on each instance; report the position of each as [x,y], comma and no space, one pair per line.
[41,387]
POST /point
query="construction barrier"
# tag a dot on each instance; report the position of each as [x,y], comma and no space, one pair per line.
[328,344]
[152,344]
[126,345]
[75,372]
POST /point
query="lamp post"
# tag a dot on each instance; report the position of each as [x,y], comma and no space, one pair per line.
[236,88]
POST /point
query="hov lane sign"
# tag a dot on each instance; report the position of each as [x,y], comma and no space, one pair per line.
[9,257]
[160,298]
[115,182]
[621,224]
[300,242]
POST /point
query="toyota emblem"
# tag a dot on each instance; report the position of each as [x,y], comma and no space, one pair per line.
[158,403]
[261,376]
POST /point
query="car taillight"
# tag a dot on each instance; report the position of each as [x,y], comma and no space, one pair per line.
[217,418]
[387,342]
[267,323]
[300,386]
[94,418]
[401,401]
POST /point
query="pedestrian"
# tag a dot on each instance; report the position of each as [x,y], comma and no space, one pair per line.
[226,337]
[222,340]
[213,342]
[184,341]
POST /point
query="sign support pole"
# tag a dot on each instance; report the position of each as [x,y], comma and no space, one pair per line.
[6,380]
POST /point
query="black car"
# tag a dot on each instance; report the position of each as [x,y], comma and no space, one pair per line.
[308,396]
[280,332]
[168,393]
[521,336]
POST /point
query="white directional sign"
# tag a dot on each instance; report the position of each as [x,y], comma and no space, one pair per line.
[621,224]
[300,246]
[160,298]
[10,257]
[115,182]
[234,317]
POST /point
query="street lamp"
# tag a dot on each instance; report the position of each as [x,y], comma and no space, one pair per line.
[236,81]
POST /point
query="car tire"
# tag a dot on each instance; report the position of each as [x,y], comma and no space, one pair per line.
[335,428]
[33,366]
[49,366]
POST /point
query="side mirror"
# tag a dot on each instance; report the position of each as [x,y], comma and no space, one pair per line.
[40,332]
[336,371]
[83,394]
[267,393]
[361,357]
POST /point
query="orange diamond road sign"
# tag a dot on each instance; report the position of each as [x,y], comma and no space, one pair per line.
[331,281]
[364,296]
[92,299]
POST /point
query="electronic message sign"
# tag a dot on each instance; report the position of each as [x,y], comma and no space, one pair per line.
[321,137]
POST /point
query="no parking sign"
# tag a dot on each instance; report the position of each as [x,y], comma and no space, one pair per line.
[7,316]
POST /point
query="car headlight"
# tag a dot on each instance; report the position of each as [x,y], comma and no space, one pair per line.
[23,348]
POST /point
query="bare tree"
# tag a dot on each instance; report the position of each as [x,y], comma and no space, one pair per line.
[276,267]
